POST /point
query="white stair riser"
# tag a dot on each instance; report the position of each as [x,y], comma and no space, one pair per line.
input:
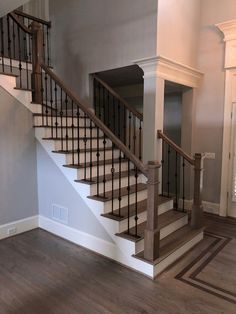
[63,144]
[143,216]
[164,232]
[108,185]
[108,155]
[39,120]
[98,171]
[53,132]
[141,195]
[177,254]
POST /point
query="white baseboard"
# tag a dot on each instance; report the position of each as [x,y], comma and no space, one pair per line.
[17,227]
[212,208]
[78,237]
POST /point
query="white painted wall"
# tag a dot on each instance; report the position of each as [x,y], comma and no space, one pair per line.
[208,128]
[7,6]
[54,188]
[178,29]
[18,166]
[91,36]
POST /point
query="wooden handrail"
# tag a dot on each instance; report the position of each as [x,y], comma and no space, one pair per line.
[139,164]
[20,24]
[31,17]
[176,147]
[121,99]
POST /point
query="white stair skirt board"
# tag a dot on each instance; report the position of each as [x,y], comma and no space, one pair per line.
[17,227]
[120,250]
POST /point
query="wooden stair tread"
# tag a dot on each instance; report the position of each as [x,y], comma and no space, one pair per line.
[58,116]
[163,220]
[9,74]
[24,89]
[171,243]
[82,150]
[72,138]
[108,177]
[63,127]
[116,193]
[95,163]
[141,207]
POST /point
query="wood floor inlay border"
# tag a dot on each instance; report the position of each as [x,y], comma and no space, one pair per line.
[190,273]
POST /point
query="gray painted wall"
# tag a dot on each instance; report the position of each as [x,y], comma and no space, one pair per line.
[208,128]
[91,36]
[53,188]
[18,166]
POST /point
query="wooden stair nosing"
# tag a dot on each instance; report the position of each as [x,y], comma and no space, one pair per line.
[58,116]
[116,193]
[65,152]
[108,177]
[8,74]
[95,163]
[25,89]
[71,138]
[164,220]
[141,207]
[172,243]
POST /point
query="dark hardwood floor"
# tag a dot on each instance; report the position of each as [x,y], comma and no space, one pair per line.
[41,273]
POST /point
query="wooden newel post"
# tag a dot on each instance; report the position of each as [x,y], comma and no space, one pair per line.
[197,208]
[37,57]
[152,233]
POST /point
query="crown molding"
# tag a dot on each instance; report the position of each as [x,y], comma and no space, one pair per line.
[228,29]
[159,66]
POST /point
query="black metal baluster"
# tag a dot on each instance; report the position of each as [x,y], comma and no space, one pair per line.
[48,48]
[128,189]
[124,125]
[9,42]
[85,148]
[119,120]
[119,199]
[183,165]
[168,172]
[19,50]
[104,165]
[99,101]
[140,140]
[2,44]
[62,125]
[136,202]
[46,96]
[44,44]
[129,130]
[26,61]
[42,97]
[78,135]
[114,114]
[112,179]
[91,149]
[56,123]
[72,133]
[67,136]
[176,181]
[162,168]
[51,107]
[134,135]
[98,159]
[14,39]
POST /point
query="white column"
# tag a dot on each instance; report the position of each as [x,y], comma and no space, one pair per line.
[153,110]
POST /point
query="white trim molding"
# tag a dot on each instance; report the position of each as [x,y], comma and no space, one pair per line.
[228,30]
[170,70]
[17,227]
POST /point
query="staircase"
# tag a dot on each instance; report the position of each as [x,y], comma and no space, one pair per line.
[149,230]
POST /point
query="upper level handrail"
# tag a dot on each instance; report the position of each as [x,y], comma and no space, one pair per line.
[31,17]
[20,24]
[121,99]
[179,150]
[139,164]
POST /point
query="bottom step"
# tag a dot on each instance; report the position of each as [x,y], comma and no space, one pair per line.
[173,247]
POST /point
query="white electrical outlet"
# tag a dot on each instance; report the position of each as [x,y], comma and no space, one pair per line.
[11,231]
[210,155]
